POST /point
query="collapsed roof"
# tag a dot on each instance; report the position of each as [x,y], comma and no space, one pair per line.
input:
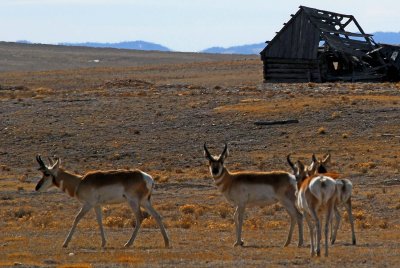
[317,45]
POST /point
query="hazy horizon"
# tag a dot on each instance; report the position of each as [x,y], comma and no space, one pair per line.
[181,26]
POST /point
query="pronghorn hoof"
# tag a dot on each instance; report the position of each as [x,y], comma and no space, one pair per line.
[127,245]
[238,243]
[65,245]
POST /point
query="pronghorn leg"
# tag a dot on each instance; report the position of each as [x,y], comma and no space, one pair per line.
[299,219]
[335,225]
[138,216]
[85,208]
[327,223]
[147,205]
[239,216]
[312,236]
[317,222]
[236,220]
[349,212]
[294,217]
[318,240]
[97,209]
[291,228]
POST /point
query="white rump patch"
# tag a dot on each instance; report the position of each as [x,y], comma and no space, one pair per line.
[149,180]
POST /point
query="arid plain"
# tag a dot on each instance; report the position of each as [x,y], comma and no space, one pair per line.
[108,109]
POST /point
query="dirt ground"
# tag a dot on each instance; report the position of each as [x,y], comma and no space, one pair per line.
[154,111]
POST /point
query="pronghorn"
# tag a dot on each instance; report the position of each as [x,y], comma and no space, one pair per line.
[251,188]
[316,195]
[344,195]
[97,188]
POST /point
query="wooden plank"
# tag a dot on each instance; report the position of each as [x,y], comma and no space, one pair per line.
[276,122]
[279,71]
[292,65]
[334,31]
[295,38]
[290,60]
[322,13]
[310,10]
[301,36]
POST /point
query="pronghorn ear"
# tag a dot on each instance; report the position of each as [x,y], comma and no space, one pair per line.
[207,154]
[314,158]
[56,165]
[326,159]
[300,165]
[312,169]
[52,160]
[42,165]
[225,153]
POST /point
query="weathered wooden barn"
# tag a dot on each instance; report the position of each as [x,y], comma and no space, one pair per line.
[317,46]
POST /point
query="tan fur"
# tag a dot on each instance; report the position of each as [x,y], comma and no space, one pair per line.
[103,187]
[344,192]
[132,181]
[68,181]
[249,188]
[317,196]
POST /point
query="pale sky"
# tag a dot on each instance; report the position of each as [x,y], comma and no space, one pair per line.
[181,25]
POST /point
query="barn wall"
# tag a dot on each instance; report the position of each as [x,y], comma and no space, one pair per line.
[291,70]
[299,39]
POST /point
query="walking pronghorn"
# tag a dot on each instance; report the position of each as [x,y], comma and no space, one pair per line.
[97,188]
[316,195]
[249,188]
[345,188]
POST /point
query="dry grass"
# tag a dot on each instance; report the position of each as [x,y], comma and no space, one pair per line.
[157,118]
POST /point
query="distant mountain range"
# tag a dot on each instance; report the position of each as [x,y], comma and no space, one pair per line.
[387,37]
[138,45]
[244,49]
[379,37]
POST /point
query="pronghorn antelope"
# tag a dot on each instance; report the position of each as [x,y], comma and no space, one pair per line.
[316,195]
[250,188]
[344,195]
[97,188]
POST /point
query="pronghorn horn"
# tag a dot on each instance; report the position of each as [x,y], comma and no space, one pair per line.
[206,152]
[225,150]
[53,160]
[290,162]
[41,163]
[314,158]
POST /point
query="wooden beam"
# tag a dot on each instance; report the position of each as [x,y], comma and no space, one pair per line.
[276,122]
